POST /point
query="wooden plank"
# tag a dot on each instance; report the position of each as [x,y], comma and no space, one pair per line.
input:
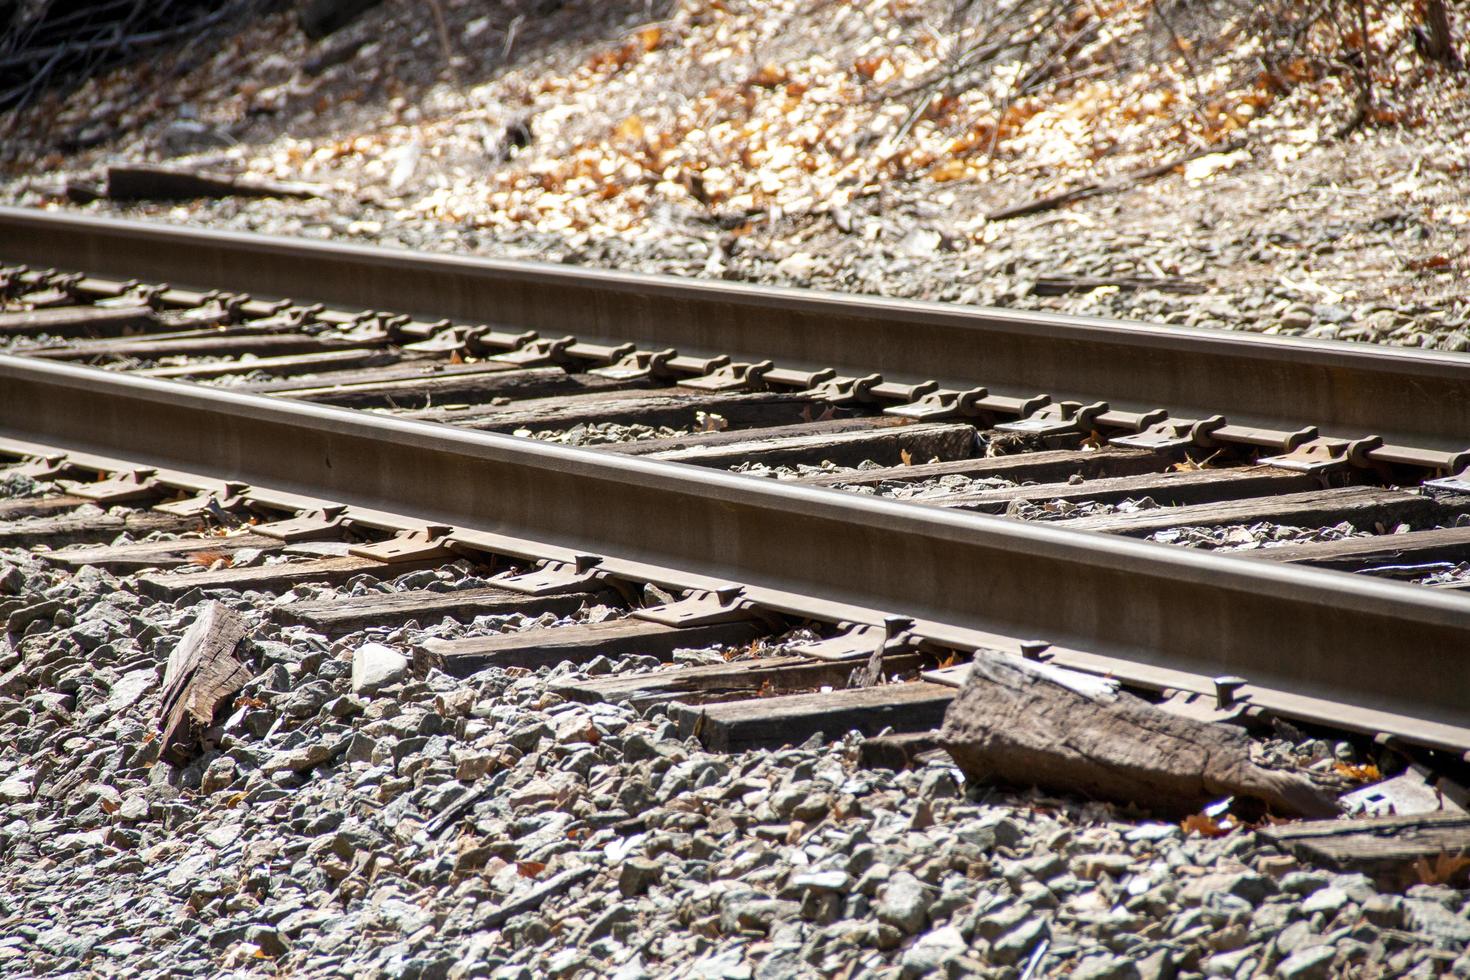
[79,321]
[736,726]
[339,616]
[1360,506]
[416,367]
[1374,844]
[1047,466]
[288,364]
[671,407]
[262,344]
[202,674]
[548,647]
[845,442]
[158,554]
[416,394]
[739,679]
[66,529]
[55,503]
[1349,554]
[1166,489]
[273,578]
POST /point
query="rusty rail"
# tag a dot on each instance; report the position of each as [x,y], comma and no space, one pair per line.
[1365,654]
[1413,397]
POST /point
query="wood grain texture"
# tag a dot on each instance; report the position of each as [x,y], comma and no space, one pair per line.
[203,672]
[1012,724]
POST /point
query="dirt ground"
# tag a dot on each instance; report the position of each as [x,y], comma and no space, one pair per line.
[858,147]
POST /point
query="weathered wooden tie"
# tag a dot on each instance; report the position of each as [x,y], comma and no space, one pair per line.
[791,719]
[1165,489]
[1043,466]
[550,646]
[1360,506]
[844,442]
[339,616]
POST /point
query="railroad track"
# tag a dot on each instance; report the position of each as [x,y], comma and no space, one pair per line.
[940,484]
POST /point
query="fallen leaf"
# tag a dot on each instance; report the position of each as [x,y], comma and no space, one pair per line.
[1208,826]
[529,869]
[1442,870]
[1364,774]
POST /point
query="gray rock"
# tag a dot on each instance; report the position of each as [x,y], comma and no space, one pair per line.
[1328,900]
[269,939]
[376,666]
[932,952]
[1017,944]
[1312,963]
[1105,967]
[298,759]
[1430,918]
[904,903]
[828,881]
[637,875]
[129,688]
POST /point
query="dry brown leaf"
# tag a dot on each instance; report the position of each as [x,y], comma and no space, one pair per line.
[1364,774]
[1443,869]
[769,76]
[1208,826]
[649,37]
[630,130]
[207,558]
[529,869]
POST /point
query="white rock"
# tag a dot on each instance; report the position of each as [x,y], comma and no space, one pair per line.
[375,666]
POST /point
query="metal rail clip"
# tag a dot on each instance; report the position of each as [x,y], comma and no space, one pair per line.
[1225,706]
[1457,483]
[311,525]
[859,640]
[231,496]
[124,488]
[638,364]
[847,391]
[47,467]
[1170,433]
[554,577]
[428,543]
[538,353]
[1058,418]
[445,341]
[1323,454]
[723,605]
[944,403]
[731,377]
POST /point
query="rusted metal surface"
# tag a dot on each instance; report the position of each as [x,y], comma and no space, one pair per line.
[1143,610]
[1419,398]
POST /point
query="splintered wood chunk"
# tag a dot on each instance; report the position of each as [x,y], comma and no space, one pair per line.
[1015,724]
[203,672]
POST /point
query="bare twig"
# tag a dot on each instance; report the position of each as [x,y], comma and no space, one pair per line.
[443,28]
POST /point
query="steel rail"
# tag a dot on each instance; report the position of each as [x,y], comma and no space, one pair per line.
[1409,396]
[1391,653]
